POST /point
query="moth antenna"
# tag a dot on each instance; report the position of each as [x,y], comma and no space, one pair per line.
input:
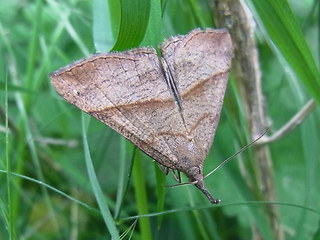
[235,154]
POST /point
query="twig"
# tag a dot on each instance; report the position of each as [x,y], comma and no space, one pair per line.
[234,15]
[290,125]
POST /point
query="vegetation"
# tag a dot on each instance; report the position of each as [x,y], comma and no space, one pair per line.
[72,177]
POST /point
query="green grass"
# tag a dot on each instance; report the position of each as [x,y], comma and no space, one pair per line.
[77,180]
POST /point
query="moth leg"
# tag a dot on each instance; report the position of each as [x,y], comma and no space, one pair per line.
[176,175]
[163,169]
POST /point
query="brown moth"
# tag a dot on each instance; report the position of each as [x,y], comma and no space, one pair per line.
[169,107]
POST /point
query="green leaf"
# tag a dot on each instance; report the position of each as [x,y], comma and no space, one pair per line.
[133,23]
[284,31]
[153,36]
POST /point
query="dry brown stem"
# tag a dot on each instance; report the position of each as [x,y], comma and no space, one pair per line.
[235,16]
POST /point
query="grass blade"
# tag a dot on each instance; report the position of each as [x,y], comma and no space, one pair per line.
[284,31]
[9,218]
[161,181]
[103,205]
[125,169]
[141,197]
[133,23]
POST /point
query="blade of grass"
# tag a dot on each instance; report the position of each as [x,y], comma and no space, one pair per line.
[18,146]
[4,215]
[211,225]
[102,203]
[141,197]
[26,138]
[161,181]
[125,169]
[51,188]
[32,148]
[33,48]
[10,223]
[315,211]
[196,214]
[254,214]
[311,151]
[196,13]
[153,36]
[4,86]
[64,16]
[201,228]
[284,31]
[122,176]
[133,23]
[185,222]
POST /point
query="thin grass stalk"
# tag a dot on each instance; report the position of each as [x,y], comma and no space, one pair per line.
[161,181]
[103,205]
[33,48]
[10,218]
[122,179]
[141,197]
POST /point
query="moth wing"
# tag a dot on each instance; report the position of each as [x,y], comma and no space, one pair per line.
[126,91]
[199,63]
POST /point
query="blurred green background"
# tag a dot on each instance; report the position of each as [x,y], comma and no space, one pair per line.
[52,192]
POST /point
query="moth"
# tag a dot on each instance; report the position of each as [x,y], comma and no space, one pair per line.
[168,106]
